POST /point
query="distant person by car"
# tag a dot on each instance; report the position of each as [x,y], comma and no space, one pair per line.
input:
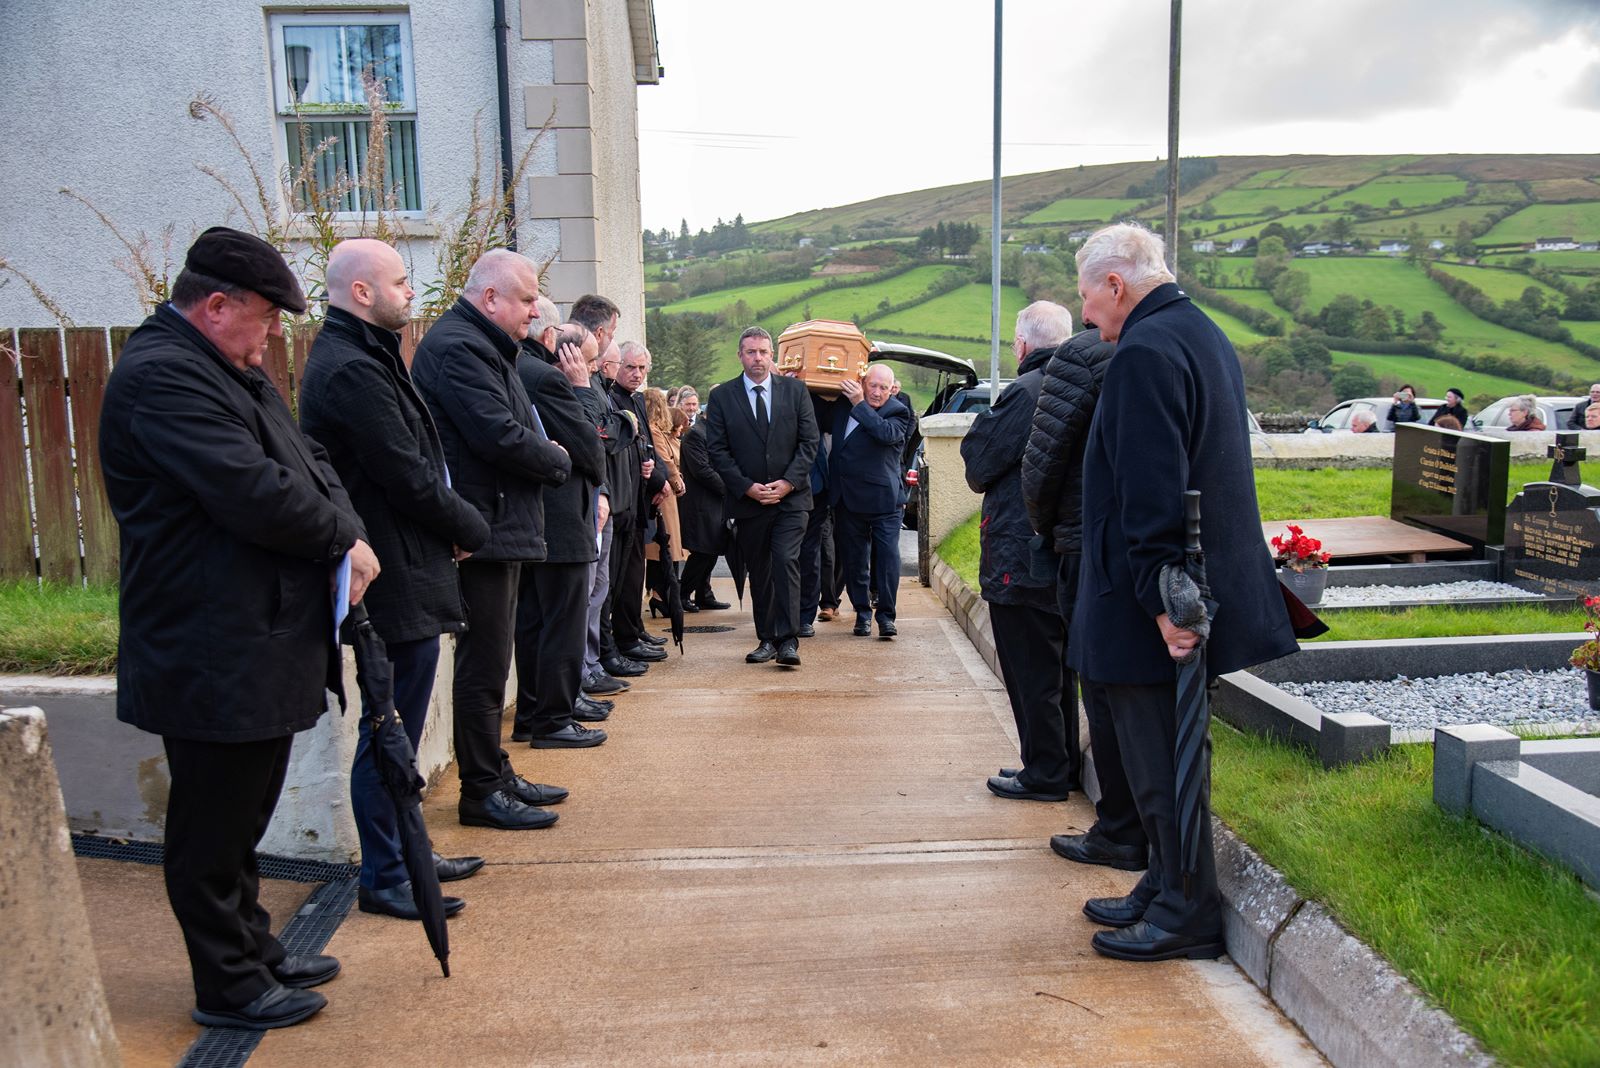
[1404,408]
[1363,423]
[1339,416]
[1551,411]
[1578,419]
[1523,414]
[1453,408]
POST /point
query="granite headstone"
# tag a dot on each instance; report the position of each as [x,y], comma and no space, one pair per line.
[1451,482]
[1553,539]
[1565,455]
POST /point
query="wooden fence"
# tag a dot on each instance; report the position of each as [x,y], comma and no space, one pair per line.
[55,521]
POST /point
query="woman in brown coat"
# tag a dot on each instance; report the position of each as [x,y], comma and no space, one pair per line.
[666,426]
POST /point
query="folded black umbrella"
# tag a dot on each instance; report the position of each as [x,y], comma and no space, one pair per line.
[397,770]
[736,561]
[1187,598]
[668,589]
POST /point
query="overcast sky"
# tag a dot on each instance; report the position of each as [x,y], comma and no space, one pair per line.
[769,109]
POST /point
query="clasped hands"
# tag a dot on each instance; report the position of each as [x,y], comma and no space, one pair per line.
[769,492]
[1180,643]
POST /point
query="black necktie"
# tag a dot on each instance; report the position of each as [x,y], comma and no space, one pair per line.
[761,411]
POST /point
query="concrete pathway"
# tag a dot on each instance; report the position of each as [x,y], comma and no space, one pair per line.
[771,866]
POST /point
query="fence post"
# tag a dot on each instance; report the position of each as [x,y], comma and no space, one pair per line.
[88,367]
[44,389]
[16,524]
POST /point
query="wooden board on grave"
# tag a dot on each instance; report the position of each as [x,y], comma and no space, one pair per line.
[1450,482]
[823,353]
[1553,540]
[1372,537]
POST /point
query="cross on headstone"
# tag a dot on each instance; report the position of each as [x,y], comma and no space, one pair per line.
[1566,453]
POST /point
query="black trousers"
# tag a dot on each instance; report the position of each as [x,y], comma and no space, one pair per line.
[770,544]
[552,621]
[820,573]
[626,602]
[220,803]
[1146,723]
[1031,644]
[482,665]
[696,579]
[870,548]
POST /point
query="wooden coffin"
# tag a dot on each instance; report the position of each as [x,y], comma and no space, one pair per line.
[823,353]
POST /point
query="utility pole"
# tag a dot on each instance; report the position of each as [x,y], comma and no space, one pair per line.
[1173,65]
[994,227]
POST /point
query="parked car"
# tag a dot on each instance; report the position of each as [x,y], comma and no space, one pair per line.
[1339,416]
[1553,412]
[956,389]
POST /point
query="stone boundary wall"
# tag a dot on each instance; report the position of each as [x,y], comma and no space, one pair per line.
[1353,1006]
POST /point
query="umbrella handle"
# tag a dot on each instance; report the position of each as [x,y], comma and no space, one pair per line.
[1191,520]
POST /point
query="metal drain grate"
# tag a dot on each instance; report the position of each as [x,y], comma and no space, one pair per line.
[715,628]
[307,931]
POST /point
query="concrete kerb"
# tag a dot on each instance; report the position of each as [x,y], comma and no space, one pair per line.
[1354,1007]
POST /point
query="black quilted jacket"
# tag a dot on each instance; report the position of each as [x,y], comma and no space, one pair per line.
[1052,464]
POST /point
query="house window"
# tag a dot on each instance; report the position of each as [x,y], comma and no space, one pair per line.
[319,63]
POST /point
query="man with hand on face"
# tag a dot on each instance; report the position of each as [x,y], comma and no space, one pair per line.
[232,522]
[639,484]
[1171,418]
[761,434]
[358,402]
[869,435]
[554,367]
[500,459]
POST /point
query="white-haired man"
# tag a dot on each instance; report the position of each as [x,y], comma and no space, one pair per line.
[1171,418]
[499,458]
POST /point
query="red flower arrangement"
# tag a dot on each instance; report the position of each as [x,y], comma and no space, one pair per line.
[1587,655]
[1299,552]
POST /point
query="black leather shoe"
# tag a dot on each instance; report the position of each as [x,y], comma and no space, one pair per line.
[690,606]
[588,710]
[709,603]
[807,631]
[305,970]
[1115,911]
[1092,849]
[1145,941]
[653,639]
[617,667]
[502,810]
[887,629]
[396,901]
[534,793]
[645,654]
[1010,773]
[1012,789]
[789,652]
[572,736]
[863,627]
[280,1006]
[761,653]
[451,869]
[599,684]
[520,735]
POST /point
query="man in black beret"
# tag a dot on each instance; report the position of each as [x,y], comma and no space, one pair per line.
[232,523]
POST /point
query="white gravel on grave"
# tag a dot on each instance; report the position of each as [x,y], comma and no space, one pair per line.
[1443,592]
[1499,699]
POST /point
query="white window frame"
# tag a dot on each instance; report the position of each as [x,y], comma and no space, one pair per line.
[283,100]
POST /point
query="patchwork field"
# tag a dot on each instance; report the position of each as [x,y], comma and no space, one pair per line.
[756,296]
[961,313]
[1499,284]
[1432,377]
[1239,332]
[1578,221]
[1578,263]
[1443,223]
[843,304]
[1264,201]
[1410,190]
[1082,209]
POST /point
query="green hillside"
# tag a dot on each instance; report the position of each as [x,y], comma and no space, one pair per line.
[756,296]
[964,312]
[1499,284]
[1407,192]
[1082,209]
[1578,221]
[1433,377]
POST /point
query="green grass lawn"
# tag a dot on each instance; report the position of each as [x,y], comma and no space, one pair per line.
[1432,377]
[1259,299]
[1444,621]
[1580,221]
[1263,201]
[1505,942]
[763,296]
[1082,209]
[1412,191]
[1583,264]
[1443,223]
[960,550]
[1328,493]
[1239,332]
[58,630]
[962,312]
[1499,283]
[1390,281]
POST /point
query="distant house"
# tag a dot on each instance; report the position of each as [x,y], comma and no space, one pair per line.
[1554,244]
[1436,244]
[1589,246]
[1036,250]
[1080,235]
[805,242]
[1204,246]
[1238,244]
[1394,248]
[1314,248]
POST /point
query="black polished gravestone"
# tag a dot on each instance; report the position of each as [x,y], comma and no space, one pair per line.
[1450,482]
[1553,540]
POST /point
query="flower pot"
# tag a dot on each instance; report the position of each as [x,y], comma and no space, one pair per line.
[1594,689]
[1306,585]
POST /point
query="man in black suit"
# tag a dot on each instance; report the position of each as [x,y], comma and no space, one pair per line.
[762,437]
[1171,418]
[869,435]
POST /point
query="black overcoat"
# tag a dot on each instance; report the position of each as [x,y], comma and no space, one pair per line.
[466,371]
[231,521]
[864,474]
[569,508]
[992,451]
[357,401]
[1052,466]
[743,459]
[702,514]
[1171,417]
